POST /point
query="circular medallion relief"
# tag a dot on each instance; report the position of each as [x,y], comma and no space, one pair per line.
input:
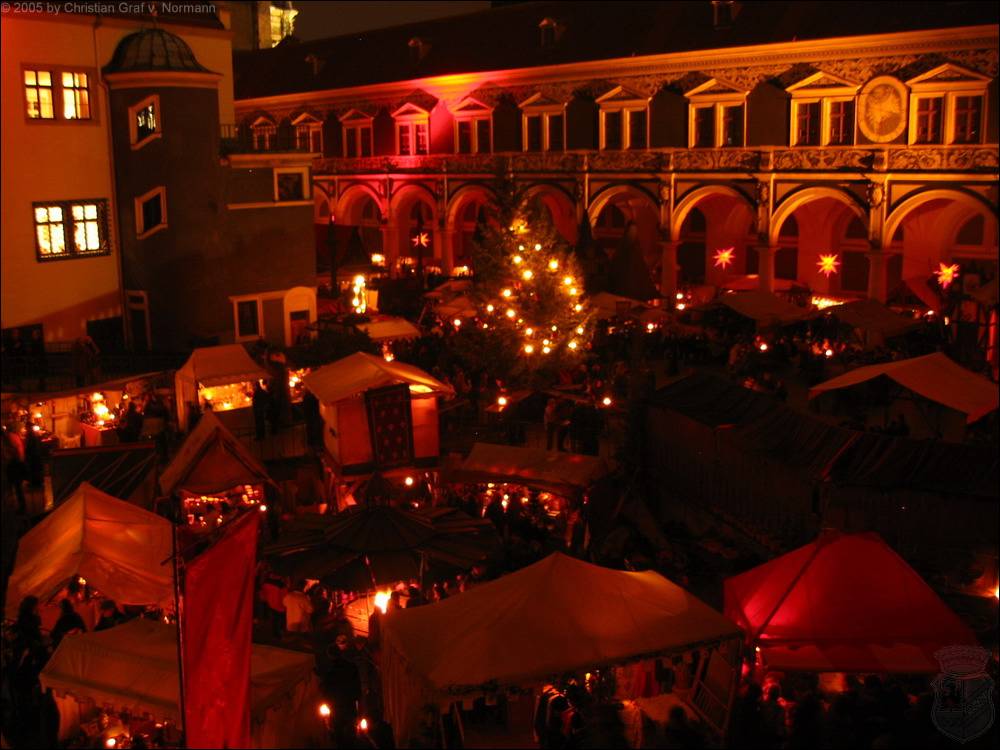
[882,109]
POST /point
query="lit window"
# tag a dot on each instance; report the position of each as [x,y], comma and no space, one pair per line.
[75,96]
[50,230]
[282,23]
[543,125]
[145,121]
[807,120]
[38,94]
[151,212]
[412,138]
[968,119]
[71,229]
[623,120]
[472,135]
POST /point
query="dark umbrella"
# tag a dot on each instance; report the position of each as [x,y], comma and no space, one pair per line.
[370,545]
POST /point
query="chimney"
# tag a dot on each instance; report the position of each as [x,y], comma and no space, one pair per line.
[724,13]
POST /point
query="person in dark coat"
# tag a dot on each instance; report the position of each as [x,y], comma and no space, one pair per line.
[69,622]
[261,405]
[16,469]
[33,459]
[110,616]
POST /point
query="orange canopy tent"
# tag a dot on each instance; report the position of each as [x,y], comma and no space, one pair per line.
[764,308]
[845,603]
[933,376]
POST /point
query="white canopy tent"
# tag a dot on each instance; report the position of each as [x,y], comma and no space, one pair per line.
[134,667]
[213,366]
[119,548]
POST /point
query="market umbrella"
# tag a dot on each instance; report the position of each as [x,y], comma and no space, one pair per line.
[370,545]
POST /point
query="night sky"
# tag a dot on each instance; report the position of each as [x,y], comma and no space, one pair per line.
[318,20]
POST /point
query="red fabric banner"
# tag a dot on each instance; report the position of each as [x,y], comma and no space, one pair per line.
[390,421]
[217,622]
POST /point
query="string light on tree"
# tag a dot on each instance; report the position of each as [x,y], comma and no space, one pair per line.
[828,264]
[360,300]
[946,274]
[724,257]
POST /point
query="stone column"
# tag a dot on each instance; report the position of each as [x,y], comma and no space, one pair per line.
[668,272]
[448,251]
[765,267]
[876,275]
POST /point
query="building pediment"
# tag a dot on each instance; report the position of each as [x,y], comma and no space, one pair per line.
[821,81]
[417,102]
[471,106]
[948,73]
[355,115]
[540,100]
[715,87]
[621,95]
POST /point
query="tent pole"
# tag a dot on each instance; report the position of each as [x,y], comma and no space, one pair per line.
[178,607]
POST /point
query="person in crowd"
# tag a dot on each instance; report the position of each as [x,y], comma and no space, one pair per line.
[746,729]
[28,656]
[130,427]
[33,459]
[341,685]
[807,724]
[415,597]
[69,622]
[272,593]
[298,609]
[16,468]
[772,717]
[679,733]
[109,616]
[260,404]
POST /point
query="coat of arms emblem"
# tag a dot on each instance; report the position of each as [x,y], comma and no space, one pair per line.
[963,693]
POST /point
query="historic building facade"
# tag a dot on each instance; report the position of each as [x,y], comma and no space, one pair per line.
[129,211]
[879,148]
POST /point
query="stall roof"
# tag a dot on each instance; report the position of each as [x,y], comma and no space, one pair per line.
[389,329]
[713,400]
[764,307]
[219,365]
[450,288]
[872,315]
[120,470]
[558,615]
[845,603]
[546,470]
[134,666]
[607,303]
[933,376]
[461,307]
[211,460]
[121,549]
[360,372]
[751,282]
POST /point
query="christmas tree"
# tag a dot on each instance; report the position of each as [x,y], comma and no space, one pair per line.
[532,320]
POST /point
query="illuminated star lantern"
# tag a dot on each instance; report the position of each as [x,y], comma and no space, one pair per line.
[724,257]
[946,274]
[422,239]
[828,264]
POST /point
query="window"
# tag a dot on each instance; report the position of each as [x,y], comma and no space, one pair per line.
[464,136]
[71,229]
[75,96]
[930,111]
[704,127]
[807,121]
[841,130]
[309,137]
[947,105]
[247,319]
[542,125]
[291,184]
[473,121]
[38,94]
[357,134]
[144,122]
[623,120]
[716,115]
[265,135]
[411,138]
[151,212]
[968,119]
[823,108]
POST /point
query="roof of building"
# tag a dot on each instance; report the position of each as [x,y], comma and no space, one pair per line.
[509,38]
[153,50]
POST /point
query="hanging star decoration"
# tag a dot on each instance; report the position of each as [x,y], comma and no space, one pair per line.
[421,239]
[828,264]
[946,274]
[724,257]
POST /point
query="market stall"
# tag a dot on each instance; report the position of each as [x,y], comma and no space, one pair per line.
[873,321]
[388,328]
[764,308]
[132,669]
[127,471]
[218,379]
[213,473]
[377,414]
[120,550]
[556,617]
[844,603]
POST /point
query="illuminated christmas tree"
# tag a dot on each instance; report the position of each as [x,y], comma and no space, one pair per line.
[533,319]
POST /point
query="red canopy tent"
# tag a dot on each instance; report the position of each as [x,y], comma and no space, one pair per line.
[845,603]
